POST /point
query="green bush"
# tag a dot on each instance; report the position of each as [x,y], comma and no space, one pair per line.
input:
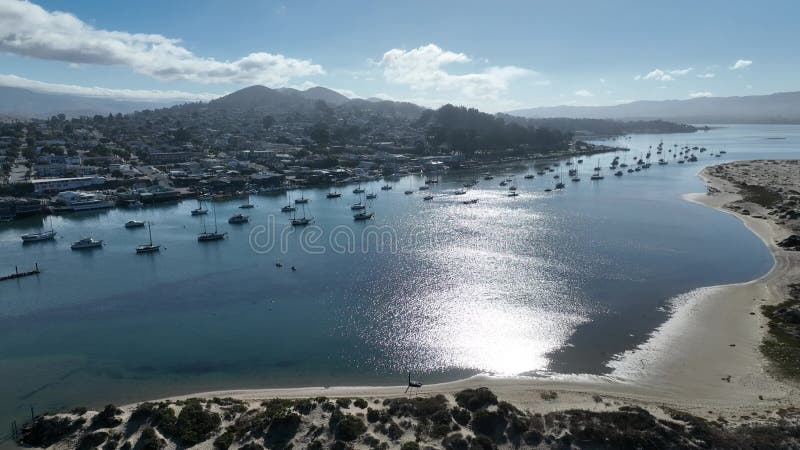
[149,440]
[349,428]
[107,418]
[360,403]
[461,415]
[410,445]
[223,441]
[489,423]
[92,440]
[343,402]
[46,431]
[475,399]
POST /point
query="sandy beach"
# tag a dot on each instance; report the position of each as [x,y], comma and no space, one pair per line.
[704,359]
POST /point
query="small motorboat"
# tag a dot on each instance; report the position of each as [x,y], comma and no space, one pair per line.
[238,218]
[86,243]
[363,215]
[134,224]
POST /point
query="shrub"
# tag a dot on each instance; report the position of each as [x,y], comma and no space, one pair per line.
[549,395]
[410,445]
[223,441]
[343,402]
[282,429]
[482,443]
[475,399]
[46,431]
[461,415]
[360,403]
[304,406]
[489,423]
[107,418]
[79,411]
[149,440]
[92,440]
[195,424]
[349,428]
[372,415]
[328,407]
[455,442]
[143,411]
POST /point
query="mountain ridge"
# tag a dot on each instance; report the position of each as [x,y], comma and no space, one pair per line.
[779,107]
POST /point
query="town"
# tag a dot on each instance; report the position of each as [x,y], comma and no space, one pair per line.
[240,145]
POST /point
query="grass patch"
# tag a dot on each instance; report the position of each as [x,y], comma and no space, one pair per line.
[782,345]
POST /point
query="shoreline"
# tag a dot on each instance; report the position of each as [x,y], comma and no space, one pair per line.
[704,359]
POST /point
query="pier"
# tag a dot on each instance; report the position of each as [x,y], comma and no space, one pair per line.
[18,274]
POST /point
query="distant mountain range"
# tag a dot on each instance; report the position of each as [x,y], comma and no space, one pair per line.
[782,107]
[23,104]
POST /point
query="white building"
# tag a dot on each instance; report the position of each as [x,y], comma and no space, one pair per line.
[64,184]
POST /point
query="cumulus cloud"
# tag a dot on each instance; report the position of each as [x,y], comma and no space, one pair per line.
[741,64]
[424,69]
[583,93]
[99,92]
[700,94]
[663,75]
[29,30]
[706,75]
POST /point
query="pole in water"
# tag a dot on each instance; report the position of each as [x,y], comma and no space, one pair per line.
[32,417]
[37,266]
[16,270]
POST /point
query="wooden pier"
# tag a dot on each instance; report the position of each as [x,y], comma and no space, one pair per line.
[18,274]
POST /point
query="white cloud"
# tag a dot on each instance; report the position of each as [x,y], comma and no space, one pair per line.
[706,75]
[741,64]
[98,92]
[680,72]
[659,75]
[663,75]
[583,93]
[700,94]
[27,29]
[424,69]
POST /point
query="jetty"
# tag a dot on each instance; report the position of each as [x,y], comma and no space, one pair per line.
[18,274]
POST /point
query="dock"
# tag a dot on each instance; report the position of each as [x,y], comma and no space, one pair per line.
[18,274]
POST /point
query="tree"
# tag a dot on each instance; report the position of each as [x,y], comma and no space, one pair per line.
[267,122]
[319,133]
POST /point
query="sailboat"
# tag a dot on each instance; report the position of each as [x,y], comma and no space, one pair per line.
[596,175]
[288,207]
[363,215]
[247,205]
[358,206]
[40,236]
[149,247]
[358,190]
[301,220]
[205,236]
[199,211]
[333,194]
[301,199]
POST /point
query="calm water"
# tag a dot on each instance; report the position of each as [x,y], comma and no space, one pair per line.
[541,282]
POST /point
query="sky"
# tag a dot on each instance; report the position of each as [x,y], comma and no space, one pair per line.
[493,55]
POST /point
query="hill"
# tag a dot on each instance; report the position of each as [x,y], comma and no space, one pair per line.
[782,107]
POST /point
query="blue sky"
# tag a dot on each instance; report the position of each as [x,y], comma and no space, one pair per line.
[492,55]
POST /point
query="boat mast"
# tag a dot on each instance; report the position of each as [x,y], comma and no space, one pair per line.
[214,207]
[150,233]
